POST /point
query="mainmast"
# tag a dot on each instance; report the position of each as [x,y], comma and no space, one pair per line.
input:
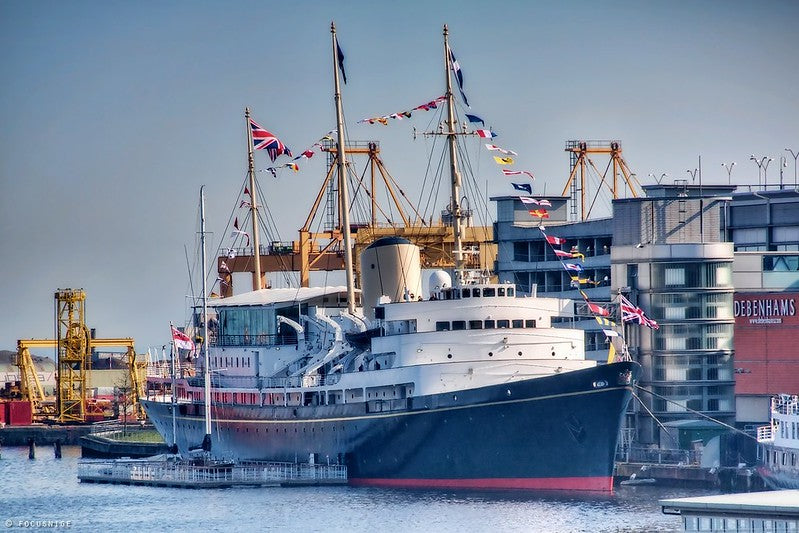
[256,275]
[204,270]
[455,205]
[344,206]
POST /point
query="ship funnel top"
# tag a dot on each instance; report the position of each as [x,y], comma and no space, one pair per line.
[390,271]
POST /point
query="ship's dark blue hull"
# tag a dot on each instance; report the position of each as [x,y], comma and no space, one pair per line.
[557,432]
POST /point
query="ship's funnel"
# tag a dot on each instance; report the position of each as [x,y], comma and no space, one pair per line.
[390,267]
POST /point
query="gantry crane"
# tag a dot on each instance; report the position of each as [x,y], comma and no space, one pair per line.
[73,363]
[580,158]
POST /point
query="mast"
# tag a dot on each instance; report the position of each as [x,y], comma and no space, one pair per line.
[455,206]
[342,180]
[256,275]
[204,270]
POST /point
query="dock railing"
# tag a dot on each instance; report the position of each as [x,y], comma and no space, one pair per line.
[181,473]
[660,456]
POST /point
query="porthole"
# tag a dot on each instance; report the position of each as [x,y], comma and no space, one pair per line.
[490,354]
[449,356]
[520,353]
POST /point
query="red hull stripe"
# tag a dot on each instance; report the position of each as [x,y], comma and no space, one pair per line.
[594,484]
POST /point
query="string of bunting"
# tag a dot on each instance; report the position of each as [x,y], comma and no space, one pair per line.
[306,154]
[600,313]
[432,104]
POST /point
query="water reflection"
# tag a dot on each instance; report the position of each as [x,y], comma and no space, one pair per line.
[48,489]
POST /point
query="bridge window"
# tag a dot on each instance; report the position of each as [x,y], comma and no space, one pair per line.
[442,326]
[475,324]
[517,323]
[458,325]
[489,292]
[529,323]
[489,324]
[465,293]
[501,291]
[510,292]
[476,293]
[503,324]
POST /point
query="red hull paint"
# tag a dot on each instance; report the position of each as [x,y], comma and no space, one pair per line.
[593,484]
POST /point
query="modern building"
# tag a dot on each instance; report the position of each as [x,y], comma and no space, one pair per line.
[668,257]
[765,227]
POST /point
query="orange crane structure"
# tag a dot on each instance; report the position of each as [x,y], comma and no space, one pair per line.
[577,185]
[322,250]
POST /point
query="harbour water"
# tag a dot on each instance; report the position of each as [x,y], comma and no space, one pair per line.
[45,494]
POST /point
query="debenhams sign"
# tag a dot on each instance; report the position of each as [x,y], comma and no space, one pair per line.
[765,309]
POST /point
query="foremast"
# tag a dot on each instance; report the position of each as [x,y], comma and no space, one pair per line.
[344,208]
[455,177]
[256,274]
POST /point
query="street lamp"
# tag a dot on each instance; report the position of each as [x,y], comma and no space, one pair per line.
[658,180]
[795,155]
[693,174]
[762,165]
[729,171]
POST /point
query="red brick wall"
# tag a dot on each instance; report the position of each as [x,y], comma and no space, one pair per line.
[766,343]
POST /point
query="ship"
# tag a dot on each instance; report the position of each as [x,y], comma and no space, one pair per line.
[779,442]
[469,385]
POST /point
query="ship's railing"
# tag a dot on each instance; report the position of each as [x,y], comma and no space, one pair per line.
[278,339]
[258,382]
[167,471]
[765,434]
[785,404]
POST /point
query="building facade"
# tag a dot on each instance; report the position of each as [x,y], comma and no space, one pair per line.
[764,225]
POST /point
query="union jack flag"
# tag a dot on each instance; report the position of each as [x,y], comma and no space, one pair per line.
[264,140]
[632,313]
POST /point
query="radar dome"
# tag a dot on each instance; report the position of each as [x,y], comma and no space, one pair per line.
[439,279]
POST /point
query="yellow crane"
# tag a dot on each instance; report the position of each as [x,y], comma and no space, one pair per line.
[74,344]
[30,386]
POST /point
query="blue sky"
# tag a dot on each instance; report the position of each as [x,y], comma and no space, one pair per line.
[115,113]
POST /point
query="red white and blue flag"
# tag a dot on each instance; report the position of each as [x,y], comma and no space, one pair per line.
[632,313]
[573,266]
[264,140]
[485,134]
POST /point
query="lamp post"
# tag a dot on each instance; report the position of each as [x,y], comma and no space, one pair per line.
[693,174]
[658,180]
[762,165]
[795,155]
[729,171]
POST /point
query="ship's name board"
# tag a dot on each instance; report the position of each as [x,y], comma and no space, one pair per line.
[765,310]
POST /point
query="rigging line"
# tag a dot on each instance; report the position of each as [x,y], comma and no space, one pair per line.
[640,401]
[436,118]
[703,415]
[269,219]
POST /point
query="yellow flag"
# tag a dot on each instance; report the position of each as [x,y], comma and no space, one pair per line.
[503,160]
[611,353]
